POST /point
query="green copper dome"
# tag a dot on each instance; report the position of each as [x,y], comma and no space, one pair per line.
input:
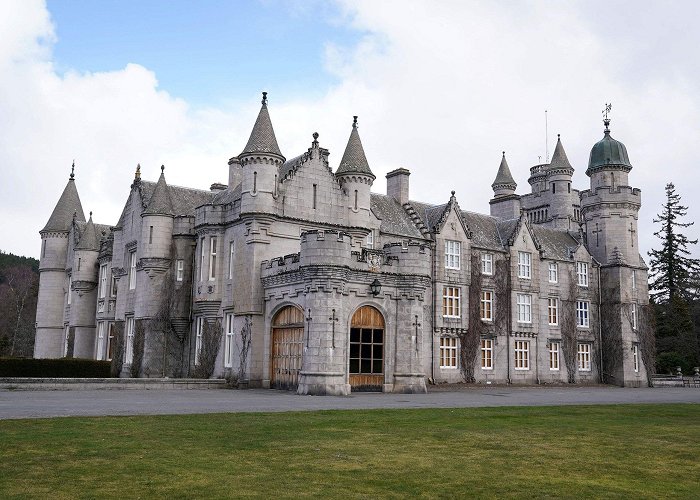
[608,152]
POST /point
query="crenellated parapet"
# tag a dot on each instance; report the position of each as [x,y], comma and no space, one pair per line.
[615,197]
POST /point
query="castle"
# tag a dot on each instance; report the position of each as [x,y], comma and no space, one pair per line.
[321,286]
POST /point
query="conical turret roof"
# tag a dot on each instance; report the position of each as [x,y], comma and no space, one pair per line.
[262,138]
[559,158]
[68,204]
[504,177]
[160,202]
[354,159]
[88,240]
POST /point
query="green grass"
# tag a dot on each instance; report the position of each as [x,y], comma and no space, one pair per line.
[593,451]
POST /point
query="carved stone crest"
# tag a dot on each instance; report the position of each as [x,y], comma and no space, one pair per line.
[374,262]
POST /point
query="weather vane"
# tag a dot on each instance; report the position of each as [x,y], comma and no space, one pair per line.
[606,120]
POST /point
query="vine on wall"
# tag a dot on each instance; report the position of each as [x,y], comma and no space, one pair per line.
[469,341]
[211,341]
[567,319]
[117,349]
[139,344]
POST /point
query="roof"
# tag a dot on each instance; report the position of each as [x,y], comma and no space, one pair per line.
[559,158]
[90,234]
[262,138]
[555,244]
[354,160]
[504,177]
[484,229]
[608,151]
[160,202]
[393,218]
[184,200]
[227,196]
[68,204]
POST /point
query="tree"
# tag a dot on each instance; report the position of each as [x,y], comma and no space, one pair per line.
[18,296]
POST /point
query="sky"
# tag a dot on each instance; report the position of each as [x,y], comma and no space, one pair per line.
[440,87]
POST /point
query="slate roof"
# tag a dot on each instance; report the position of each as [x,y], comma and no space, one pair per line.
[484,230]
[393,217]
[160,202]
[184,200]
[354,159]
[555,244]
[290,165]
[68,204]
[262,138]
[559,158]
[504,177]
[90,237]
[506,228]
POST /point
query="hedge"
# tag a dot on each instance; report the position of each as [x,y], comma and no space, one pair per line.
[54,368]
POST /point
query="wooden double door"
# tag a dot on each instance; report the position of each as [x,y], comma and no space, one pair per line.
[287,348]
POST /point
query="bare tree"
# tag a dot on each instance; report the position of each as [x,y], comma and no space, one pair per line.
[243,348]
[568,329]
[611,336]
[211,341]
[21,287]
[469,340]
[117,348]
[139,344]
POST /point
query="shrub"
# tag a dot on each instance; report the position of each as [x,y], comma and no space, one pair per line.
[54,368]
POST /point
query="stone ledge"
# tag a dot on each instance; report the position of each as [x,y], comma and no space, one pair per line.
[64,384]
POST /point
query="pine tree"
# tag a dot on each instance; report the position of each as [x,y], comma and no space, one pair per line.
[673,286]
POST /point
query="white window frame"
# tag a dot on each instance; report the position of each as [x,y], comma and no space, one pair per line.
[486,349]
[231,249]
[453,251]
[132,270]
[202,253]
[198,334]
[582,274]
[521,351]
[635,357]
[583,314]
[179,269]
[70,284]
[524,265]
[449,353]
[451,302]
[110,339]
[553,311]
[129,347]
[103,281]
[634,279]
[100,340]
[486,305]
[229,343]
[554,350]
[65,341]
[487,264]
[553,272]
[634,315]
[583,356]
[369,240]
[524,307]
[113,286]
[212,257]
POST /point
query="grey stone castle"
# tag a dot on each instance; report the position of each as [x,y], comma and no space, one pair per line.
[323,287]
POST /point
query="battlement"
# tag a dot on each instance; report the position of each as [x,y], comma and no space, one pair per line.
[609,194]
[280,265]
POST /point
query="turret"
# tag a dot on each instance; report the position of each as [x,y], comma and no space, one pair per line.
[559,174]
[505,203]
[84,283]
[157,226]
[355,179]
[260,162]
[53,281]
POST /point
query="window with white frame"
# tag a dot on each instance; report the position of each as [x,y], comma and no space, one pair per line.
[582,314]
[633,311]
[198,335]
[582,273]
[113,287]
[230,260]
[212,258]
[103,281]
[524,265]
[201,259]
[180,270]
[553,272]
[634,279]
[229,344]
[522,354]
[584,357]
[487,263]
[554,356]
[524,308]
[452,253]
[100,340]
[70,284]
[635,357]
[487,354]
[132,270]
[369,241]
[486,306]
[110,342]
[553,311]
[451,302]
[129,348]
[66,341]
[448,352]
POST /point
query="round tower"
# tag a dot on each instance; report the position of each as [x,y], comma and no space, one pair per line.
[84,283]
[259,163]
[505,204]
[157,225]
[355,178]
[559,174]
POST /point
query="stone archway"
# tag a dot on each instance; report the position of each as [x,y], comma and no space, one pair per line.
[287,347]
[367,350]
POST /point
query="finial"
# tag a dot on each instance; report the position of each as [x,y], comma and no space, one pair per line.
[315,136]
[264,99]
[137,175]
[606,120]
[162,169]
[558,137]
[354,122]
[91,214]
[453,193]
[504,154]
[72,171]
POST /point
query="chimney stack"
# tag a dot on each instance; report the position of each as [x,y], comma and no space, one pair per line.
[397,185]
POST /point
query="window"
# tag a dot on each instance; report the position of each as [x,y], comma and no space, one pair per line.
[452,253]
[314,200]
[486,306]
[355,205]
[199,332]
[582,316]
[634,315]
[255,182]
[43,248]
[129,354]
[450,302]
[100,340]
[70,284]
[522,355]
[110,342]
[554,356]
[487,354]
[582,273]
[524,308]
[230,260]
[487,263]
[201,259]
[448,352]
[132,270]
[553,272]
[635,357]
[66,341]
[553,311]
[150,235]
[524,265]
[103,281]
[179,270]
[634,279]
[369,242]
[228,346]
[212,258]
[113,291]
[584,357]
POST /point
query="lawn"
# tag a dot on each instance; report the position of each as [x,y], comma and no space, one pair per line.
[584,451]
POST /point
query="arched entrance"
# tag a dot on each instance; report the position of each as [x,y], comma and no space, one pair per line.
[287,343]
[367,350]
